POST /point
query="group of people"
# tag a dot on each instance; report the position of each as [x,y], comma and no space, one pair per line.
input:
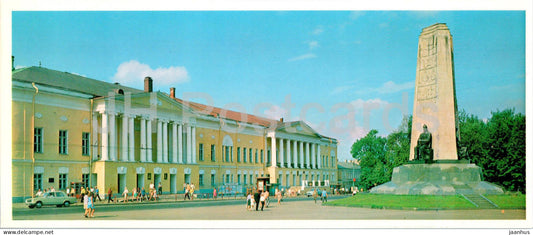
[40,192]
[189,191]
[85,191]
[323,195]
[140,194]
[88,204]
[260,197]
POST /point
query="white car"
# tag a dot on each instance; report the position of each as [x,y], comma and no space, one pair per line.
[51,198]
[310,193]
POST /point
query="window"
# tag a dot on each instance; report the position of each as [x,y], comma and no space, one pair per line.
[38,140]
[262,156]
[238,154]
[227,178]
[62,181]
[244,179]
[238,178]
[250,154]
[213,158]
[37,182]
[201,151]
[213,180]
[244,154]
[63,137]
[256,156]
[287,181]
[251,179]
[85,179]
[85,143]
[268,156]
[201,180]
[226,153]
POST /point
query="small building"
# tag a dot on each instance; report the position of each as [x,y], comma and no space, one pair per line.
[349,173]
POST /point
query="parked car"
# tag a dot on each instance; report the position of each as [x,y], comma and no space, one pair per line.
[51,198]
[310,193]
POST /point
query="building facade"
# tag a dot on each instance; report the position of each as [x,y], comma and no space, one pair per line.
[349,174]
[68,128]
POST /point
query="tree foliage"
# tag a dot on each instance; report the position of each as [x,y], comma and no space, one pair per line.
[497,145]
[379,155]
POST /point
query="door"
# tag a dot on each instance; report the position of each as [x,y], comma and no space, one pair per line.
[187,178]
[140,181]
[157,179]
[121,182]
[172,183]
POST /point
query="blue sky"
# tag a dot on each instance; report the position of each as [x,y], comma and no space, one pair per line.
[343,72]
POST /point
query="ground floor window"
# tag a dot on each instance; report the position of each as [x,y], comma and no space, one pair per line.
[213,180]
[244,179]
[85,179]
[63,181]
[251,179]
[37,182]
[287,180]
[201,180]
[238,178]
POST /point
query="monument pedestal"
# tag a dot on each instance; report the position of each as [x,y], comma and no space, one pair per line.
[446,178]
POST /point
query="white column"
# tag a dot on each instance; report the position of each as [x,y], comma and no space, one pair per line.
[301,154]
[165,141]
[105,140]
[313,156]
[159,141]
[281,154]
[319,157]
[307,157]
[289,154]
[180,144]
[131,141]
[273,150]
[143,140]
[189,140]
[149,140]
[112,138]
[94,137]
[174,142]
[124,139]
[194,144]
[295,154]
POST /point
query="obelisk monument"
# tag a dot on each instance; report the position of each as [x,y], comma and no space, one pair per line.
[435,169]
[435,104]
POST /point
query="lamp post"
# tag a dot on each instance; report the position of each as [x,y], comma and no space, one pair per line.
[33,140]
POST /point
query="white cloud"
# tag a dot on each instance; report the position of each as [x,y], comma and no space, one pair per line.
[363,104]
[341,89]
[312,45]
[303,57]
[385,88]
[275,112]
[356,14]
[318,30]
[391,87]
[132,73]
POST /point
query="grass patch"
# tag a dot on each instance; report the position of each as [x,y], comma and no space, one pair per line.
[404,201]
[508,201]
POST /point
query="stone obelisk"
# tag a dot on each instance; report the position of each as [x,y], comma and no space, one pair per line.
[435,104]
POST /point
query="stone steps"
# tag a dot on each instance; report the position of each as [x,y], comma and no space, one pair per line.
[480,201]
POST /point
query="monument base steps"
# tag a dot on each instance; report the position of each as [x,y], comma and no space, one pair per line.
[437,179]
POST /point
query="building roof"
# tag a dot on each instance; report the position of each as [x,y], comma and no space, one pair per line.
[77,83]
[228,114]
[68,81]
[348,165]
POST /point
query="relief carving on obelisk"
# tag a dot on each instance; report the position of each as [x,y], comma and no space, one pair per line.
[427,84]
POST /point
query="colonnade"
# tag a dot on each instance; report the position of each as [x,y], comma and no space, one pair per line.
[171,147]
[295,153]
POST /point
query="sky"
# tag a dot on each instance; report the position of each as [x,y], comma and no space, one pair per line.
[343,72]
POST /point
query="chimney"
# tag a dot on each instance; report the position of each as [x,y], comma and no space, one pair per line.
[147,84]
[172,92]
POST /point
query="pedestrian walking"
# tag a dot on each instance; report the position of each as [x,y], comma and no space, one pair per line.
[267,198]
[82,194]
[324,196]
[249,201]
[257,196]
[90,205]
[97,193]
[187,190]
[278,196]
[159,189]
[215,193]
[85,205]
[110,195]
[262,200]
[143,194]
[125,193]
[315,195]
[191,192]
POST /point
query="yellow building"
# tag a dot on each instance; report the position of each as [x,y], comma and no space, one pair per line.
[68,128]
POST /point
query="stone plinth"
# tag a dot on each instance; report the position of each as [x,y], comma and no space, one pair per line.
[437,179]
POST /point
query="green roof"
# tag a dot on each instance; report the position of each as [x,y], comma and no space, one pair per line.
[68,81]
